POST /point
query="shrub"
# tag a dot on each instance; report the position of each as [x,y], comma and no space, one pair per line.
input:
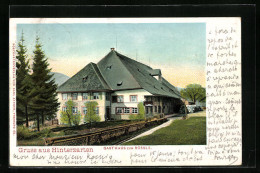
[69,132]
[22,132]
[45,133]
[61,133]
[25,133]
[148,119]
[157,116]
[76,119]
[132,117]
[141,111]
[91,115]
[69,117]
[140,116]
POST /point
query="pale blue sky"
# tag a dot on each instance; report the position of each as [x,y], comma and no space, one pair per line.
[161,44]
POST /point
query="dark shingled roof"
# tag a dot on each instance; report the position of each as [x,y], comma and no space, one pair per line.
[114,72]
[87,79]
[118,72]
[142,74]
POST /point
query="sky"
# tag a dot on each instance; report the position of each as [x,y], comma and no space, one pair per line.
[178,49]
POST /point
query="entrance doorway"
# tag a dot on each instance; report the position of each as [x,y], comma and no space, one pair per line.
[108,117]
[149,110]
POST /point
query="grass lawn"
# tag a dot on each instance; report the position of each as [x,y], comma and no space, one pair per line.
[181,132]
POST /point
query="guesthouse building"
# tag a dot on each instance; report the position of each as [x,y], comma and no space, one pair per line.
[118,83]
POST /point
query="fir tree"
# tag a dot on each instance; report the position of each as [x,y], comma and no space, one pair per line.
[23,82]
[44,102]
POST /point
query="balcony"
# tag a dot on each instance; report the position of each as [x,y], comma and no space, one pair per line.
[148,103]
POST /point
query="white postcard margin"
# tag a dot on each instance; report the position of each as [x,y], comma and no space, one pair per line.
[224,108]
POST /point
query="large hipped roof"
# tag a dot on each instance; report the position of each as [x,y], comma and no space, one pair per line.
[118,72]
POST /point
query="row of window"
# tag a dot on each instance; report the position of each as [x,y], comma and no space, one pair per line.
[84,110]
[85,96]
[96,96]
[120,99]
[126,110]
[157,109]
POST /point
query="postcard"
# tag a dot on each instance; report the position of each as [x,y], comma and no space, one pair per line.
[125,92]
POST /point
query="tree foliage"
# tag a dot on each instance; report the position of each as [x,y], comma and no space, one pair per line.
[91,115]
[68,117]
[23,82]
[141,111]
[194,92]
[44,101]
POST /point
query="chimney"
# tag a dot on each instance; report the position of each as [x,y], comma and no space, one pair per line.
[112,49]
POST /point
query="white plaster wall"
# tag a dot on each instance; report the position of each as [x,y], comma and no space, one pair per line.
[126,94]
[80,104]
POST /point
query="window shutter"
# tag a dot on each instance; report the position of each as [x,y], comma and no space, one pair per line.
[100,95]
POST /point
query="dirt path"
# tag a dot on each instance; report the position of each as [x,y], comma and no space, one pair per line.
[171,118]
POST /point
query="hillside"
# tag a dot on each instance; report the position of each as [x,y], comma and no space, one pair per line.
[59,78]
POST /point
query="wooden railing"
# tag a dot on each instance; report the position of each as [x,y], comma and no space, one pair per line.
[100,136]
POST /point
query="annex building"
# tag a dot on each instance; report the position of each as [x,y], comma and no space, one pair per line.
[118,83]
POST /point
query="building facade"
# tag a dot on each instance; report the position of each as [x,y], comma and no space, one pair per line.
[118,84]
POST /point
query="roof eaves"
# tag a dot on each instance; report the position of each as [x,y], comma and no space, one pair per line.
[74,91]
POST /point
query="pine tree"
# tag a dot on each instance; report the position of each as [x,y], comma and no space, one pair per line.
[44,102]
[23,82]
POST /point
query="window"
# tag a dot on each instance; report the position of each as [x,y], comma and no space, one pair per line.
[97,110]
[134,110]
[155,108]
[95,96]
[84,79]
[119,110]
[84,96]
[64,96]
[146,109]
[74,96]
[114,99]
[74,110]
[133,98]
[119,83]
[159,109]
[127,110]
[64,109]
[109,67]
[120,98]
[84,110]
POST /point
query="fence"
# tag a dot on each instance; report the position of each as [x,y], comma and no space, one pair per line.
[100,136]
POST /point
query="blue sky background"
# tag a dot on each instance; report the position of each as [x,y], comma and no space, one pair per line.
[161,45]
